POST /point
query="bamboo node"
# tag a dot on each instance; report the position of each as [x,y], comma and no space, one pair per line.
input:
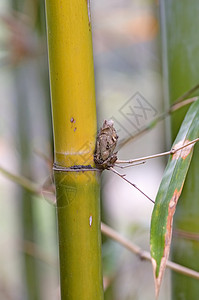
[75,168]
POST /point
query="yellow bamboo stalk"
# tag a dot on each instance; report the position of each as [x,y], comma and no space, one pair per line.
[72,81]
[74,124]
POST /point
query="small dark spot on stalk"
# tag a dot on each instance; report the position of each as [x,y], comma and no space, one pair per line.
[72,120]
[75,129]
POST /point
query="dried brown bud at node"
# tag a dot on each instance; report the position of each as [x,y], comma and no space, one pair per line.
[104,156]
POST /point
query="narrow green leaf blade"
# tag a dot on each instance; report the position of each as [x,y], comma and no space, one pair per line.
[169,193]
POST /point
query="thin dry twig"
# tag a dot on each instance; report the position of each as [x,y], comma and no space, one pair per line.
[28,185]
[172,151]
[142,254]
[186,234]
[130,165]
[45,158]
[179,103]
[135,186]
[187,94]
[22,181]
[37,252]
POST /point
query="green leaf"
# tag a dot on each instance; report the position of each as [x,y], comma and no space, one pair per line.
[169,193]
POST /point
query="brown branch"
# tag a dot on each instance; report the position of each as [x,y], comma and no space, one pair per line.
[187,94]
[172,151]
[186,234]
[177,105]
[37,252]
[29,185]
[105,230]
[135,186]
[142,254]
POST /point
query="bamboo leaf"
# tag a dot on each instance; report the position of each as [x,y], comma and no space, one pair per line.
[169,193]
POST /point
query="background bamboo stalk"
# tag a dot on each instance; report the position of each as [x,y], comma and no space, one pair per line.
[30,271]
[180,43]
[74,123]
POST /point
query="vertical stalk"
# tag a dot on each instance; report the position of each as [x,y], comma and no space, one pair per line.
[180,37]
[74,124]
[31,271]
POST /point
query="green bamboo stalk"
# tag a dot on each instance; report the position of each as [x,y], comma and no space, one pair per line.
[26,209]
[181,61]
[74,124]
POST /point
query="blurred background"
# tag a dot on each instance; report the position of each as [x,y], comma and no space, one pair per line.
[127,58]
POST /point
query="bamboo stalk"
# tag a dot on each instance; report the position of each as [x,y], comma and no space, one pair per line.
[179,21]
[74,123]
[31,268]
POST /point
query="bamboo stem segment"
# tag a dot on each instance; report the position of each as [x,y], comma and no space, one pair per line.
[79,238]
[72,81]
[74,124]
